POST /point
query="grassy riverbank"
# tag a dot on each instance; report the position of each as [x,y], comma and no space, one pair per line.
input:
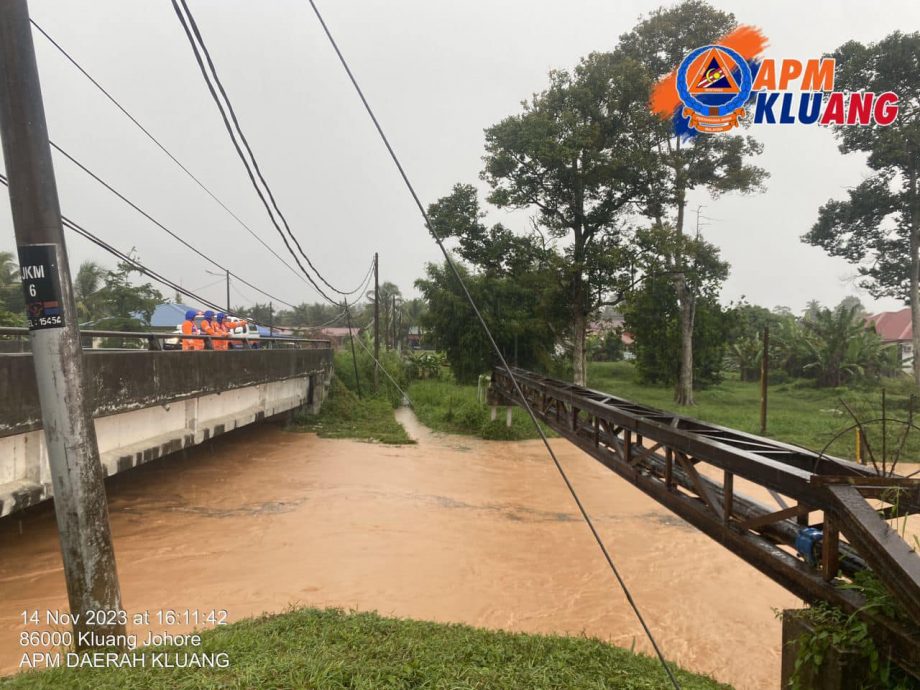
[453,408]
[332,650]
[345,415]
[798,412]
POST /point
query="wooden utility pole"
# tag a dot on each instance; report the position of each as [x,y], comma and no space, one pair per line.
[70,436]
[764,372]
[376,318]
[271,319]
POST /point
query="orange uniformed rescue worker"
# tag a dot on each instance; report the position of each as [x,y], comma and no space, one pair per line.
[190,328]
[220,328]
[208,327]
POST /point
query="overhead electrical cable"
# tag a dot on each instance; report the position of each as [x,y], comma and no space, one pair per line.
[160,225]
[522,398]
[239,140]
[127,258]
[163,148]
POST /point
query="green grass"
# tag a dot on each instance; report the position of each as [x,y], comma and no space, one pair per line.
[344,415]
[453,408]
[333,650]
[798,412]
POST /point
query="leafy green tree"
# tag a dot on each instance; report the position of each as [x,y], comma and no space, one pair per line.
[515,308]
[877,227]
[260,313]
[718,164]
[122,305]
[579,155]
[652,313]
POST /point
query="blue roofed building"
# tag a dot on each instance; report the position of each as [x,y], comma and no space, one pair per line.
[167,316]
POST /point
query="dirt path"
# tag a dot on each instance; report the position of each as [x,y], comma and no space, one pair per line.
[451,529]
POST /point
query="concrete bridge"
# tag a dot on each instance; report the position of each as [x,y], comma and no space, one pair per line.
[147,404]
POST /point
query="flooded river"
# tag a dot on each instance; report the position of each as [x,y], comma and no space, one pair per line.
[450,529]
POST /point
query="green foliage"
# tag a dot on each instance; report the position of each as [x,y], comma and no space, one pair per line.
[12,303]
[345,415]
[391,363]
[579,155]
[452,408]
[832,346]
[426,365]
[519,310]
[333,650]
[606,347]
[652,312]
[877,227]
[799,413]
[841,347]
[831,628]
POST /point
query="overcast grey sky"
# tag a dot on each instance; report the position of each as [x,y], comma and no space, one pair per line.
[438,73]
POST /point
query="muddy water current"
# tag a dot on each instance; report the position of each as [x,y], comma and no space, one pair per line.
[450,529]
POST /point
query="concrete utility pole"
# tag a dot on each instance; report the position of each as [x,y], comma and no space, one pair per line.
[228,290]
[376,318]
[79,493]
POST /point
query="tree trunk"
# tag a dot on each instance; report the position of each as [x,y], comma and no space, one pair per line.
[915,282]
[580,324]
[683,393]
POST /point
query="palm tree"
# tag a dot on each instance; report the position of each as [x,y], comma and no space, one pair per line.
[842,347]
[85,286]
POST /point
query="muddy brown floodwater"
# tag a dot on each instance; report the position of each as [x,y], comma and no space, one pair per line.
[451,529]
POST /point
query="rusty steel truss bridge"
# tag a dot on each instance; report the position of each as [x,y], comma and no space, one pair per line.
[700,471]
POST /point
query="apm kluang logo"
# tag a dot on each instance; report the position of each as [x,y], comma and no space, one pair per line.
[714,83]
[717,87]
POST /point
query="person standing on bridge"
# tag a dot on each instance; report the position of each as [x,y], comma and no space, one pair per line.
[220,328]
[209,327]
[190,328]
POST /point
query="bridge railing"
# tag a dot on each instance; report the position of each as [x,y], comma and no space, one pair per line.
[150,340]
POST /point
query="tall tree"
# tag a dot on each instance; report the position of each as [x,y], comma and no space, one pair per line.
[123,305]
[652,312]
[878,226]
[579,155]
[715,162]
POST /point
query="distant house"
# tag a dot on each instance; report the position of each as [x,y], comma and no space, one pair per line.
[414,337]
[336,334]
[895,327]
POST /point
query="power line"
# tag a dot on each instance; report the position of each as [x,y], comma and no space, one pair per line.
[501,358]
[130,260]
[160,225]
[163,148]
[228,113]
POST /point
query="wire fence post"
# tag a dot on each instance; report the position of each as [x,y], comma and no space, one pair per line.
[764,373]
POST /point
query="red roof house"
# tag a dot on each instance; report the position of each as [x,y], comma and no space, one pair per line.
[895,327]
